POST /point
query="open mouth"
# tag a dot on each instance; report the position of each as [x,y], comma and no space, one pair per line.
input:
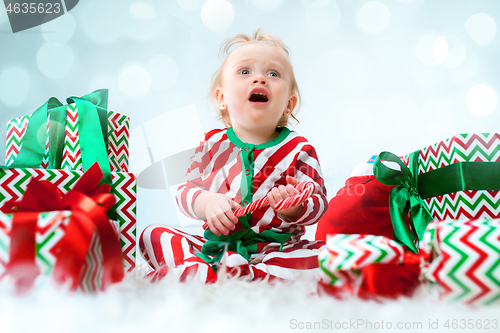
[258,97]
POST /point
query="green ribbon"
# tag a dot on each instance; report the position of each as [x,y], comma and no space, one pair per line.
[33,147]
[404,198]
[413,188]
[93,131]
[244,242]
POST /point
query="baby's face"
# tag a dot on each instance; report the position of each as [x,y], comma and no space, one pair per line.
[256,87]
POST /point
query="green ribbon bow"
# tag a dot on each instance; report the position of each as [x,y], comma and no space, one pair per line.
[404,198]
[413,188]
[244,242]
[93,132]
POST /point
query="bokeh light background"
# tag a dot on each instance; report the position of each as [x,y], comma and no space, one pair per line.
[374,75]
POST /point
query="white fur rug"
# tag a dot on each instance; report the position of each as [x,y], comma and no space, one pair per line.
[136,305]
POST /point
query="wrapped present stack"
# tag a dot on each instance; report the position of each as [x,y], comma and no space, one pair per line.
[445,208]
[59,143]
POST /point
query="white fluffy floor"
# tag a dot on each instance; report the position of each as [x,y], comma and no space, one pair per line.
[229,306]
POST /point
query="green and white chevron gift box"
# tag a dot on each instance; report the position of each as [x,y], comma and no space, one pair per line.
[464,260]
[457,178]
[114,125]
[470,204]
[76,135]
[344,255]
[50,230]
[13,183]
[459,259]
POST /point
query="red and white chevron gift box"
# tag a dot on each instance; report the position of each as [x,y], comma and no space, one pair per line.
[459,259]
[13,183]
[344,255]
[51,227]
[118,139]
[464,260]
[474,147]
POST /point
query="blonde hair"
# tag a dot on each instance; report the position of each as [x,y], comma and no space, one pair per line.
[225,50]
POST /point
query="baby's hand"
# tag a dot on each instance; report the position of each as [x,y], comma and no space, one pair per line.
[219,214]
[282,192]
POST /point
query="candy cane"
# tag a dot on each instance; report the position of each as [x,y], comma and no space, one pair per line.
[242,211]
[306,189]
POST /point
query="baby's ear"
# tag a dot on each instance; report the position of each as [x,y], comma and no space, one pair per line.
[292,102]
[219,98]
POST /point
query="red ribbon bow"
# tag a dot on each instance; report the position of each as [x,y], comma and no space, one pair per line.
[88,202]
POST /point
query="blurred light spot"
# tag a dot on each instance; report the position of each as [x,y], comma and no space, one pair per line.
[102,82]
[146,25]
[456,52]
[361,123]
[55,60]
[164,72]
[393,115]
[407,2]
[425,49]
[14,86]
[266,5]
[396,105]
[374,17]
[202,37]
[481,100]
[481,28]
[190,5]
[343,69]
[142,11]
[180,128]
[134,81]
[437,114]
[104,21]
[440,50]
[428,80]
[217,15]
[59,30]
[466,71]
[315,3]
[323,20]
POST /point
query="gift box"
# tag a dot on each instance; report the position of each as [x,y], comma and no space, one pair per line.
[464,260]
[67,236]
[470,204]
[446,195]
[75,135]
[458,178]
[458,259]
[50,231]
[13,184]
[343,258]
[117,135]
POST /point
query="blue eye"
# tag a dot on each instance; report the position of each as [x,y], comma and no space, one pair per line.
[275,74]
[245,71]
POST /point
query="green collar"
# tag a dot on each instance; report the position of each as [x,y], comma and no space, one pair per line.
[284,131]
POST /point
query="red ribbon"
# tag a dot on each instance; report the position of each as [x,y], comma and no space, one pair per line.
[88,202]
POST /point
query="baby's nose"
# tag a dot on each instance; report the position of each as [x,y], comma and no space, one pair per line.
[260,79]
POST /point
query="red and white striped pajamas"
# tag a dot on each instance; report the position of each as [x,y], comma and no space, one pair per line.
[244,172]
